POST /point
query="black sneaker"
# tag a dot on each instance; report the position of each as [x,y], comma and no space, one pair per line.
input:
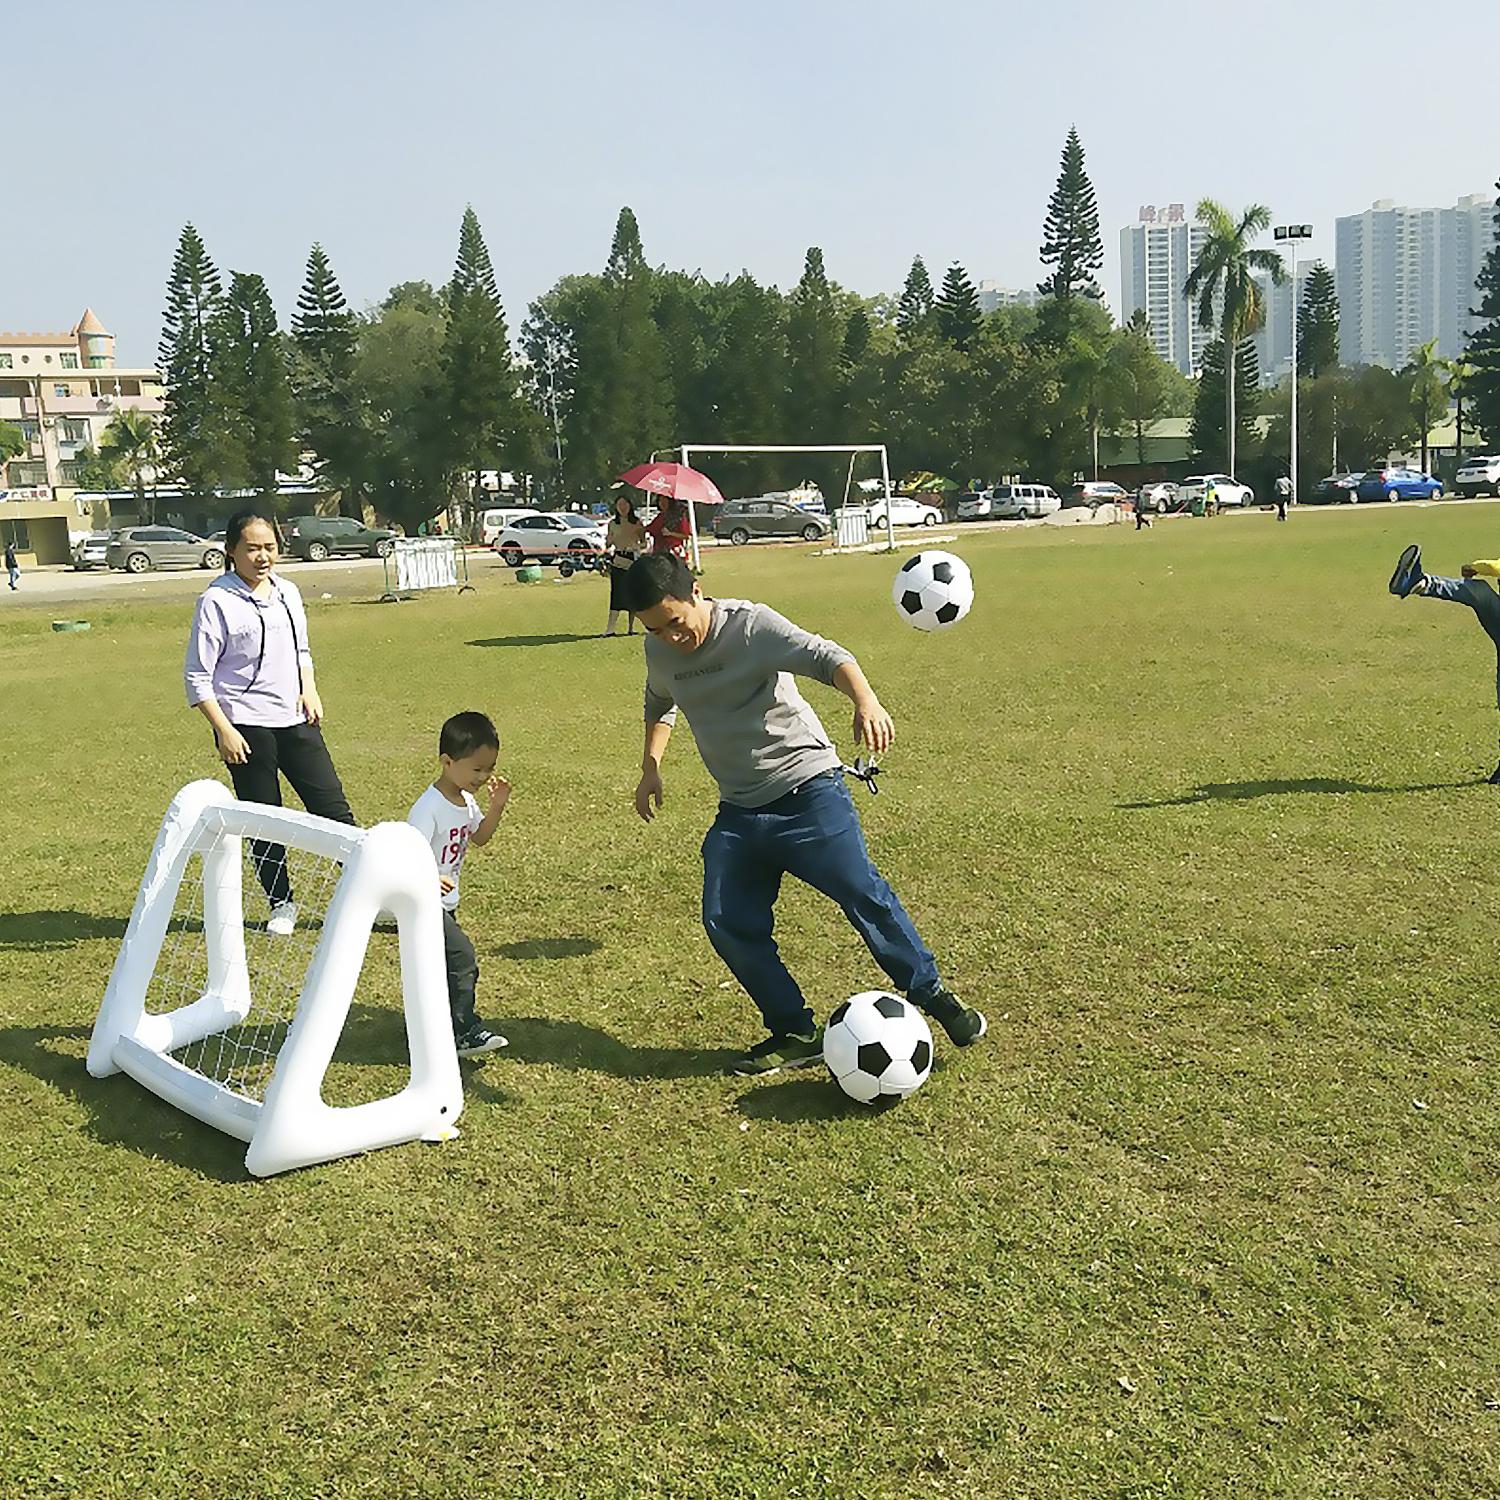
[1408,574]
[479,1041]
[778,1052]
[963,1023]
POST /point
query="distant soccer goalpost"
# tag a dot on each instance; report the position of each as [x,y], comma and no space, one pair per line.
[237,1026]
[852,449]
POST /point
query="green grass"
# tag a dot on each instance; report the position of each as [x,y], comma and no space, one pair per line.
[1194,815]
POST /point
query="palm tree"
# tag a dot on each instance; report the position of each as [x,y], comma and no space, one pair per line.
[1222,275]
[130,441]
[1458,372]
[1429,399]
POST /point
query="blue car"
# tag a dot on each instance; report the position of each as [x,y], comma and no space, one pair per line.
[1399,484]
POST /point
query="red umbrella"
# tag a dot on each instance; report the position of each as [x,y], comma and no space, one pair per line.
[675,481]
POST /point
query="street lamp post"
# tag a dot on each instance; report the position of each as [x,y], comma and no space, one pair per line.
[1291,233]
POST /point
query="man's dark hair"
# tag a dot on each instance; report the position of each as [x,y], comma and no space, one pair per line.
[467,732]
[660,576]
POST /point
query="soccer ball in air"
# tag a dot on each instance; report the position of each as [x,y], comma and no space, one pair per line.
[878,1047]
[933,590]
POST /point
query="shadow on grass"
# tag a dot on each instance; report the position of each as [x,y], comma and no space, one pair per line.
[557,947]
[571,1044]
[1248,791]
[120,1112]
[40,930]
[533,640]
[815,1096]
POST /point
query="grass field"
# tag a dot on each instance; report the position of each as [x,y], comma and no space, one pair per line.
[1196,816]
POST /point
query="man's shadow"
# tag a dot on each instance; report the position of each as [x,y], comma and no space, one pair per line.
[1248,791]
[587,1049]
[531,640]
[38,931]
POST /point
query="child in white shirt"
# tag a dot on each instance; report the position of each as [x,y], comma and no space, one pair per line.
[449,819]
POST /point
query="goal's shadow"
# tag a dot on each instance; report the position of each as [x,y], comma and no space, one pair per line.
[119,1114]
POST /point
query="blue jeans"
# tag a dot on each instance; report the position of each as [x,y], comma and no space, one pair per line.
[15,576]
[1482,599]
[814,834]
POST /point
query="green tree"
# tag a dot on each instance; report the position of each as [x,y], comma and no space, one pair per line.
[92,471]
[129,446]
[1348,419]
[1223,281]
[1318,324]
[814,339]
[1071,242]
[481,414]
[1429,396]
[1483,350]
[1458,373]
[914,311]
[399,369]
[957,308]
[331,419]
[1210,407]
[746,379]
[11,443]
[621,408]
[1142,378]
[251,390]
[194,440]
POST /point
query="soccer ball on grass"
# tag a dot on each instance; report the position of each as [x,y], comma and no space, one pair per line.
[878,1047]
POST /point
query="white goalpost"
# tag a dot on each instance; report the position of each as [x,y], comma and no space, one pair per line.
[852,449]
[238,1027]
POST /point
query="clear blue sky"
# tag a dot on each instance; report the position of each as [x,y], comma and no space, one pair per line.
[740,134]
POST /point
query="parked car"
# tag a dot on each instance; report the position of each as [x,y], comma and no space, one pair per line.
[138,549]
[906,510]
[494,521]
[91,551]
[1158,497]
[314,538]
[975,506]
[1095,493]
[552,537]
[1393,483]
[1227,491]
[1337,489]
[1478,476]
[1020,502]
[740,520]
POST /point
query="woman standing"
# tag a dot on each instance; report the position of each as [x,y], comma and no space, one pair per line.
[626,540]
[249,672]
[670,531]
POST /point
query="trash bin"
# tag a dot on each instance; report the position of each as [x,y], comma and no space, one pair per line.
[1199,505]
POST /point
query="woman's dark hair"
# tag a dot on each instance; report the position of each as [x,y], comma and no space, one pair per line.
[614,510]
[234,529]
[662,575]
[467,732]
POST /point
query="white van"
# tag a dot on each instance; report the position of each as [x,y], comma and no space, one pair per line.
[493,522]
[1021,502]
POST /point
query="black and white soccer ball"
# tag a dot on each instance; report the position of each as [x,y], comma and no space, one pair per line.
[878,1047]
[933,590]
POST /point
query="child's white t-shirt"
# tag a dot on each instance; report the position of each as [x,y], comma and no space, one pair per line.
[446,828]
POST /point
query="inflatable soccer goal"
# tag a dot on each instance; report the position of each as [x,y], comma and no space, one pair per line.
[235,1020]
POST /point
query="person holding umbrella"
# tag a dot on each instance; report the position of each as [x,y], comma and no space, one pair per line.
[674,530]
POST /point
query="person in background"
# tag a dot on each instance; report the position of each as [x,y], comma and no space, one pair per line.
[12,567]
[626,540]
[669,532]
[1283,496]
[249,672]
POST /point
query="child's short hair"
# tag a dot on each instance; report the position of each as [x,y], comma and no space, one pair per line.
[467,732]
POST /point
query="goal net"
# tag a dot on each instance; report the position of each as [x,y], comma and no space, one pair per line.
[238,1025]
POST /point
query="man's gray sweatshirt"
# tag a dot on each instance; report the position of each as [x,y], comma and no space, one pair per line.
[756,733]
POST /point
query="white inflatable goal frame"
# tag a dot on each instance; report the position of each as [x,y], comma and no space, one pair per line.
[385,869]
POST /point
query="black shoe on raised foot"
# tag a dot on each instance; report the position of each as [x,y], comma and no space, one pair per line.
[963,1023]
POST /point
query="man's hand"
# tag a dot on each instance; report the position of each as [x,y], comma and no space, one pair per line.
[311,706]
[499,792]
[873,726]
[1467,570]
[649,790]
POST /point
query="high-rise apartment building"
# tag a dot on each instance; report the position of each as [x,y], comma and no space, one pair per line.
[1406,276]
[1156,258]
[1273,343]
[993,295]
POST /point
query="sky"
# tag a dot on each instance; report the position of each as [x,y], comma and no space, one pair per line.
[739,133]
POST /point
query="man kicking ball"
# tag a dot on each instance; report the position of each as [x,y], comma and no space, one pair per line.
[784,809]
[1470,589]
